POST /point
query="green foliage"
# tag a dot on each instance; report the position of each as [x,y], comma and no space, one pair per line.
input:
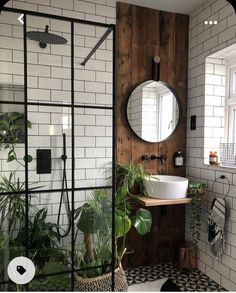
[94,219]
[12,127]
[43,239]
[196,190]
[12,131]
[12,206]
[142,221]
[130,176]
[197,186]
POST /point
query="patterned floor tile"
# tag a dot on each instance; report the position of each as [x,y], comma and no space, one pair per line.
[194,281]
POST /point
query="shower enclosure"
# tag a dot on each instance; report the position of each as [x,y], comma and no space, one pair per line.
[57,143]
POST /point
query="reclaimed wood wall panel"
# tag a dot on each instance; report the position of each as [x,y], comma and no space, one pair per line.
[143,33]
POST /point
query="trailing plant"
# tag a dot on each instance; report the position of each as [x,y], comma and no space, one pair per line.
[94,220]
[196,191]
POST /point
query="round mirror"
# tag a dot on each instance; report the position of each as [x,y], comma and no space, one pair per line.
[153,111]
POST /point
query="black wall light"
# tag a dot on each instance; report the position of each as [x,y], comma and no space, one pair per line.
[233,3]
[2,3]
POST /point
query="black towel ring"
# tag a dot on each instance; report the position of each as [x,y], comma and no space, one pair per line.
[222,177]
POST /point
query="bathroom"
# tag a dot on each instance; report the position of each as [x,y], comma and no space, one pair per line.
[68,71]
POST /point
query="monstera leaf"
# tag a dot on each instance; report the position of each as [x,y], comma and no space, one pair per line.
[142,221]
[123,224]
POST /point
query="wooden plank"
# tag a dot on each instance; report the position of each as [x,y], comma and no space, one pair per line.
[168,75]
[124,80]
[153,49]
[152,202]
[143,33]
[139,72]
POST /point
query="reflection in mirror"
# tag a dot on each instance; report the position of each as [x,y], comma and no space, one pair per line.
[153,111]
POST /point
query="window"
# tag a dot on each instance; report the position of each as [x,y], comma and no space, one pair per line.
[230,105]
[220,105]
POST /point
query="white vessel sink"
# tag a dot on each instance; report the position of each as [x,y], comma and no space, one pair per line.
[167,187]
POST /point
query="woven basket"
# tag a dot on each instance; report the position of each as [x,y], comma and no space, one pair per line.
[102,283]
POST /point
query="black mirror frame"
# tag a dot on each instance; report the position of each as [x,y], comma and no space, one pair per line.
[180,112]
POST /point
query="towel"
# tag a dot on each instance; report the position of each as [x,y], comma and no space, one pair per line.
[216,226]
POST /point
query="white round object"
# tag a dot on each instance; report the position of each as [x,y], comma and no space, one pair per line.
[21,270]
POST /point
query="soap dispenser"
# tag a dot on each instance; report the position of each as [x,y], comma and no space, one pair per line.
[178,159]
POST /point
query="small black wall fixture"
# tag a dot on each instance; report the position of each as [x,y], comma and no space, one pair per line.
[156,68]
[103,38]
[233,3]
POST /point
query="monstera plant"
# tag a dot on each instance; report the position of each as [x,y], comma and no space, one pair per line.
[94,222]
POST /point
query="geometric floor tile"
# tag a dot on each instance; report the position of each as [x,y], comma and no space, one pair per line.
[194,281]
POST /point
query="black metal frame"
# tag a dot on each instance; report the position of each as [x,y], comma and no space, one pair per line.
[179,105]
[26,103]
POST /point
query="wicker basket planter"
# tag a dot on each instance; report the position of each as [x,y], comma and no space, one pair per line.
[102,283]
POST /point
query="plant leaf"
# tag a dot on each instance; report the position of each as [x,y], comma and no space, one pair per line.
[11,158]
[142,221]
[29,158]
[121,194]
[14,115]
[15,127]
[122,224]
[29,124]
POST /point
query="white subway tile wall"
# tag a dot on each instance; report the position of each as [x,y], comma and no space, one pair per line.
[49,80]
[206,88]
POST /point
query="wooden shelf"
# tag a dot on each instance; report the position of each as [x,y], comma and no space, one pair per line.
[151,202]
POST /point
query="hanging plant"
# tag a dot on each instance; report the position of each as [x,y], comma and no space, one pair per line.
[196,190]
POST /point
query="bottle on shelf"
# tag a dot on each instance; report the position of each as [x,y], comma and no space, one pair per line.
[213,158]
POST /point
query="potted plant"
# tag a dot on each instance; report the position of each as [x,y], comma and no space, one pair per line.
[94,220]
[188,254]
[132,177]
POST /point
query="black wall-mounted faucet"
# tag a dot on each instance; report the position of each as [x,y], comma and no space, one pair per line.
[162,158]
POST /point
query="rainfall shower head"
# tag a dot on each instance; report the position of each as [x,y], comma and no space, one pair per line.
[45,38]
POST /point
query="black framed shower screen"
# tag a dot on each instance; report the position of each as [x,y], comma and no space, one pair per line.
[72,107]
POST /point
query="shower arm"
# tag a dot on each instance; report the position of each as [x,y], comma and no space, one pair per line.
[106,34]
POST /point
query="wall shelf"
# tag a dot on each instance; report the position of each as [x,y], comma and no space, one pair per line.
[151,202]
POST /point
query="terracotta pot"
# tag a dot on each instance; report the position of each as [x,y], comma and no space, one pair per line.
[188,257]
